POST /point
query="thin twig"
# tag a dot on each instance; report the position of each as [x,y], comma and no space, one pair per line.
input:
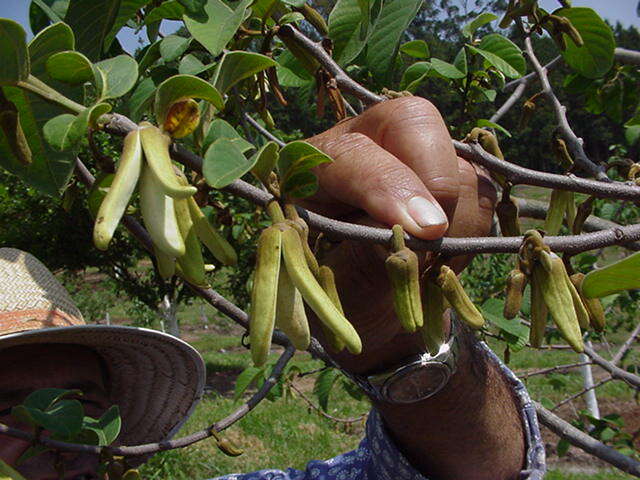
[322,412]
[589,444]
[626,345]
[557,368]
[510,102]
[616,372]
[581,392]
[263,131]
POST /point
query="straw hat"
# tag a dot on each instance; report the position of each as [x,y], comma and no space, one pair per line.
[155,378]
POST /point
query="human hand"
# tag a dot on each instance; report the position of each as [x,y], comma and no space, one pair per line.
[394,164]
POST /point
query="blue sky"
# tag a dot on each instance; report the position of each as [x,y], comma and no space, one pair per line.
[623,11]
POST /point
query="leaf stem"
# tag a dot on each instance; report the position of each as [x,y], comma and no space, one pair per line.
[38,87]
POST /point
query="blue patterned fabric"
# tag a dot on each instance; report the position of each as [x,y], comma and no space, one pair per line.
[378,458]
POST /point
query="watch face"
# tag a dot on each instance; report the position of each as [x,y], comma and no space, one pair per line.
[417,383]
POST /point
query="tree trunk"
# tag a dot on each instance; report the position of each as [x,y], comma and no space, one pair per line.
[168,311]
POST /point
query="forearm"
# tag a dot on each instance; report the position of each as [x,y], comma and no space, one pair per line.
[473,428]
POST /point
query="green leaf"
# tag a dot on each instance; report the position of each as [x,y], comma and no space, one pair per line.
[324,383]
[172,10]
[62,418]
[107,426]
[470,28]
[290,71]
[348,30]
[141,99]
[460,62]
[116,76]
[446,69]
[414,75]
[264,161]
[172,46]
[224,162]
[70,67]
[44,398]
[487,123]
[127,10]
[291,17]
[634,121]
[295,3]
[248,376]
[632,135]
[382,47]
[190,65]
[614,278]
[41,12]
[220,26]
[595,58]
[151,54]
[221,129]
[91,22]
[14,66]
[295,163]
[492,311]
[503,54]
[563,447]
[7,470]
[238,65]
[184,86]
[416,49]
[60,132]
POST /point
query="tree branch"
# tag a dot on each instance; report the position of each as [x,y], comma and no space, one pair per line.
[322,412]
[626,345]
[616,372]
[574,143]
[585,442]
[581,392]
[557,368]
[624,55]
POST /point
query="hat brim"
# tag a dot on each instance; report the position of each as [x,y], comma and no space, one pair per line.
[156,379]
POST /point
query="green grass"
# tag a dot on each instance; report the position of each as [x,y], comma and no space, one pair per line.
[560,475]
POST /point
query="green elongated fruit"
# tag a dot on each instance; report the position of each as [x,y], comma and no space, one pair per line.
[166,264]
[156,151]
[403,272]
[507,211]
[262,315]
[454,292]
[434,307]
[313,293]
[228,448]
[539,314]
[559,301]
[581,310]
[328,283]
[159,215]
[290,315]
[117,198]
[555,212]
[516,282]
[594,307]
[302,228]
[191,263]
[216,243]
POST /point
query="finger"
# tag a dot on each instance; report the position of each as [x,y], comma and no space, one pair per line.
[412,129]
[367,177]
[474,212]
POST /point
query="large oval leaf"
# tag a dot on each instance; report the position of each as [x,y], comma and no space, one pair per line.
[184,86]
[236,66]
[387,32]
[220,25]
[116,76]
[70,67]
[295,163]
[346,28]
[595,58]
[221,129]
[503,54]
[619,276]
[91,22]
[14,65]
[224,163]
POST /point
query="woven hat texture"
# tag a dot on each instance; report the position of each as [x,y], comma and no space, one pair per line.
[156,379]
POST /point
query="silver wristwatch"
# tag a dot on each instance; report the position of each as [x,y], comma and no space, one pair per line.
[417,378]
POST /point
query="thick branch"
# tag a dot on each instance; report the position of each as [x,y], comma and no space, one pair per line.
[573,142]
[585,442]
[624,55]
